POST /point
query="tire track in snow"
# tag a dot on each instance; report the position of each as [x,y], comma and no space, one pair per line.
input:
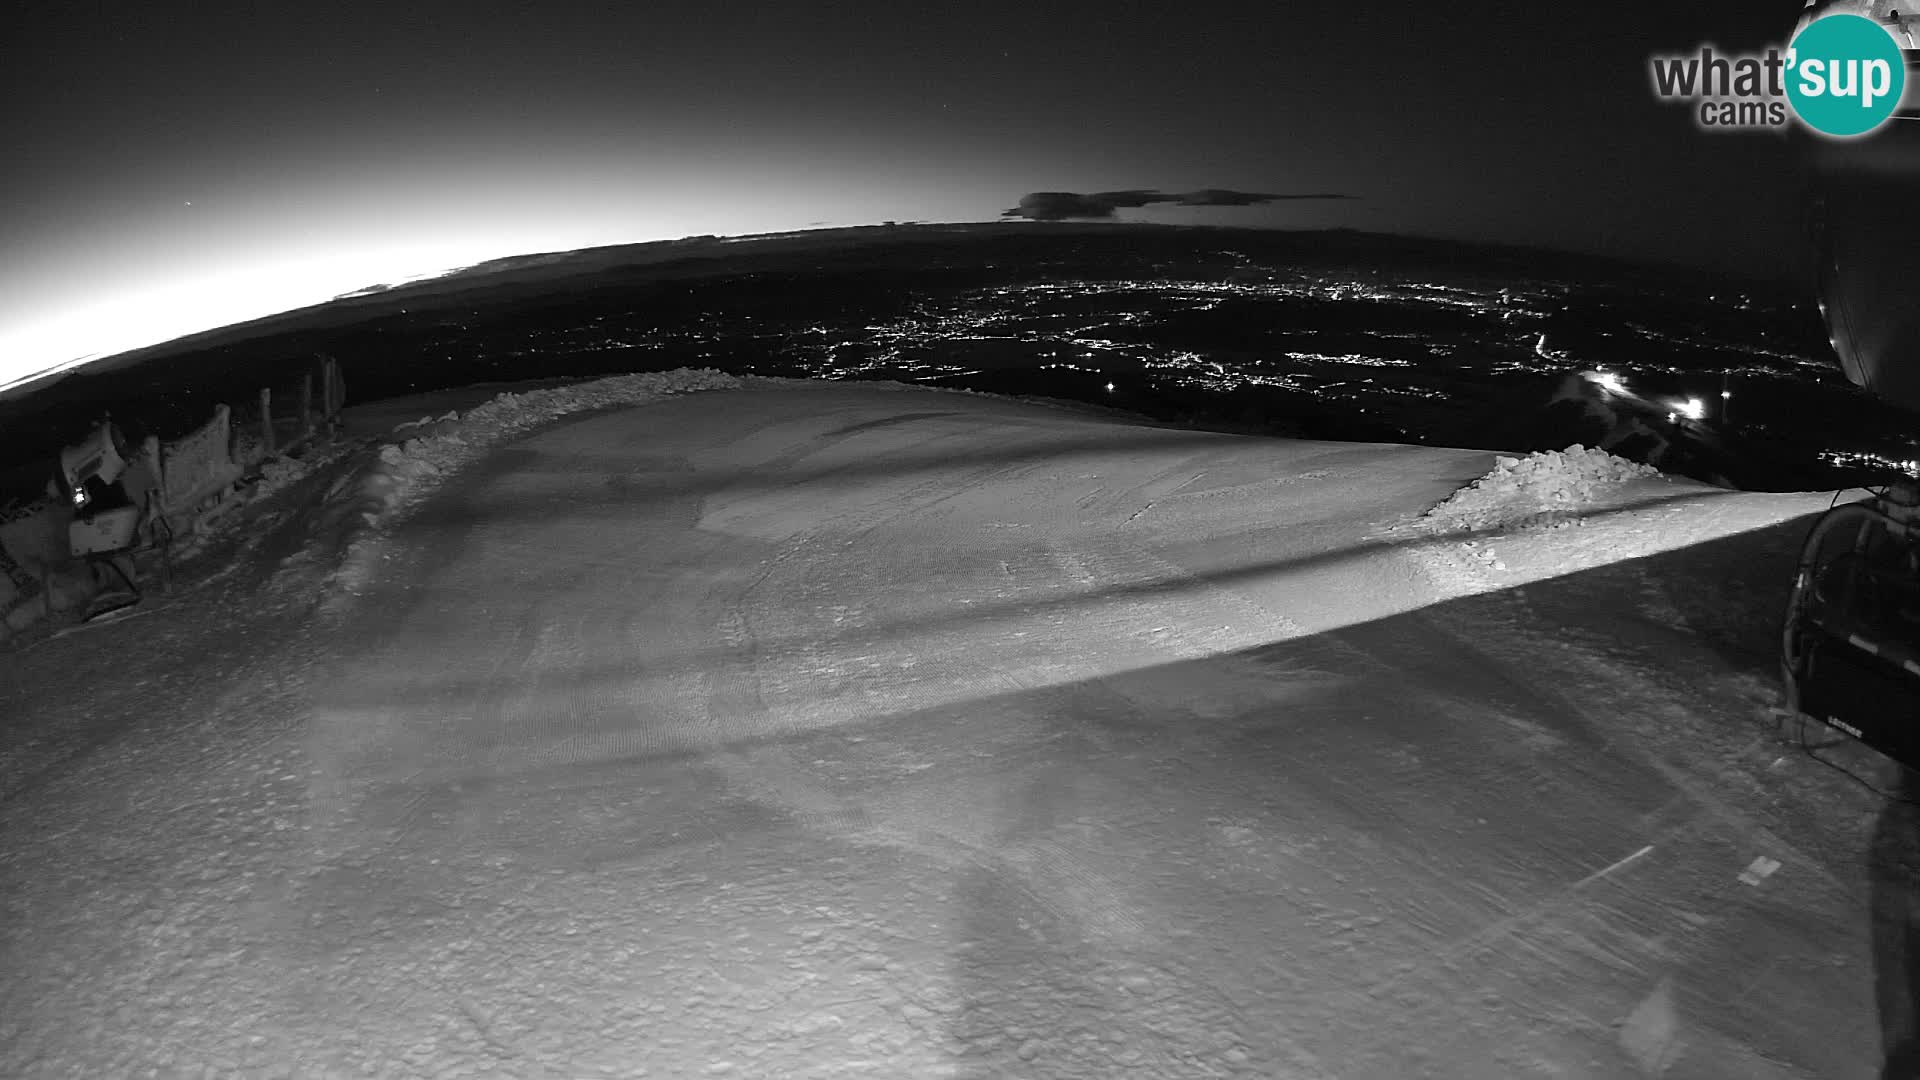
[1540,740]
[1704,828]
[1591,676]
[1050,873]
[839,546]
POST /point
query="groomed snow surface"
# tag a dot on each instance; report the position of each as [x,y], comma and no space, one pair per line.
[822,730]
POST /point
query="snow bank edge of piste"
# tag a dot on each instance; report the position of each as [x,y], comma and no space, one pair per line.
[1544,490]
[421,455]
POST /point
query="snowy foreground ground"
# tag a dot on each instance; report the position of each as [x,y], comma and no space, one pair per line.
[837,731]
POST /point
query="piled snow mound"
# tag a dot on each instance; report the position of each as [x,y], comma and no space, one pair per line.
[1542,490]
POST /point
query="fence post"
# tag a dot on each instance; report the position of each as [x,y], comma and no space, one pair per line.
[306,404]
[327,407]
[337,387]
[266,420]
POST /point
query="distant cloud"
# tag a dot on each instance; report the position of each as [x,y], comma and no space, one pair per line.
[1128,198]
[1222,197]
[1061,205]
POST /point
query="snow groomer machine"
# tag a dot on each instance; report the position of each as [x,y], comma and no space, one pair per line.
[1850,651]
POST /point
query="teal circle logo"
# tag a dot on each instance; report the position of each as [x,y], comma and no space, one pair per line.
[1845,75]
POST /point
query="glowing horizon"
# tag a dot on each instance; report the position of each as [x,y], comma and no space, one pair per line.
[227,296]
[132,277]
[240,255]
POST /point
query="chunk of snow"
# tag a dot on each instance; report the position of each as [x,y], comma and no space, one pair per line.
[1547,488]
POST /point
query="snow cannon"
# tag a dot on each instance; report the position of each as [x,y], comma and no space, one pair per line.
[111,497]
[1850,647]
[104,517]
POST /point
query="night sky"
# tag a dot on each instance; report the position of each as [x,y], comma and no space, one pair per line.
[178,167]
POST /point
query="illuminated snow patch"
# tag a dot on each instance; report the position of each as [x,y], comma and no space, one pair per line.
[1541,489]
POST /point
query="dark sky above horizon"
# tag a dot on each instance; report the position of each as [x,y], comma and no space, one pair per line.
[176,167]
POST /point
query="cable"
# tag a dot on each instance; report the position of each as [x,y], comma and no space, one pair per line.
[1878,493]
[1834,504]
[1808,750]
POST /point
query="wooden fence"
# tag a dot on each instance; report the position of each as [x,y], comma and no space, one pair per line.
[200,476]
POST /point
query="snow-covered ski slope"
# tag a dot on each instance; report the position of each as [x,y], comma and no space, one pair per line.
[825,730]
